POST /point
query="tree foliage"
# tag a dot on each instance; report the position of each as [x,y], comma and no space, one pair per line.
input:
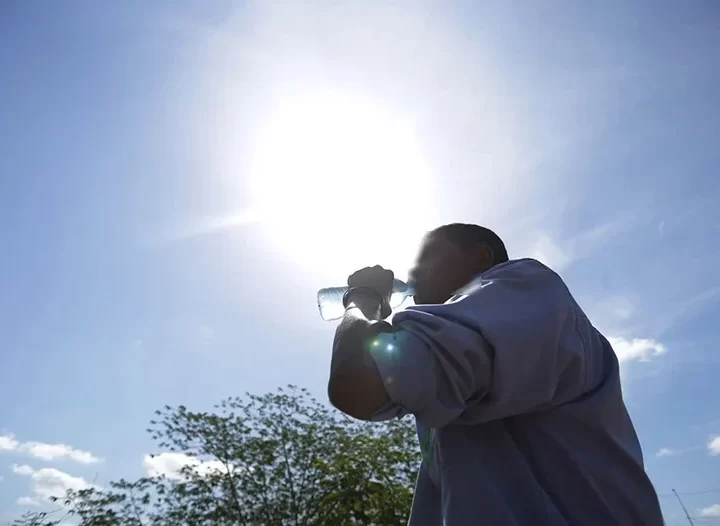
[278,459]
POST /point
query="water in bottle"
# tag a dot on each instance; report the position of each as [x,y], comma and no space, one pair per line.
[330,300]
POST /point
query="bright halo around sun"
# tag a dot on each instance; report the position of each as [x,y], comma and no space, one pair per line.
[340,184]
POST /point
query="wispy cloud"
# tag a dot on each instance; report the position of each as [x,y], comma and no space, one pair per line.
[217,224]
[560,254]
[712,447]
[685,308]
[22,470]
[48,482]
[672,452]
[45,451]
[548,252]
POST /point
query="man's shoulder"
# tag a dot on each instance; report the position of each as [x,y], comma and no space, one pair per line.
[515,266]
[507,287]
[528,273]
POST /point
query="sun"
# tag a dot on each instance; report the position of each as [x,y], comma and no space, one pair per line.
[340,183]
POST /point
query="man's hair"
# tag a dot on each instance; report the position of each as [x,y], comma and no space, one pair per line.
[466,236]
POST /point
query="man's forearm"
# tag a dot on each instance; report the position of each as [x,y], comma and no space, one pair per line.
[355,386]
[353,335]
[361,314]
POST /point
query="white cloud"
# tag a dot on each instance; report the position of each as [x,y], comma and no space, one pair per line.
[22,470]
[640,349]
[714,446]
[45,451]
[50,482]
[710,511]
[55,451]
[28,501]
[8,443]
[170,464]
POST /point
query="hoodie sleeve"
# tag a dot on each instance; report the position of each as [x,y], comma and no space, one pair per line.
[510,343]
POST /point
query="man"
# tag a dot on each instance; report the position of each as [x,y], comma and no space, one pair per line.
[516,395]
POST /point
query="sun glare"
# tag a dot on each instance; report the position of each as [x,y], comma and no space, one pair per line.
[337,180]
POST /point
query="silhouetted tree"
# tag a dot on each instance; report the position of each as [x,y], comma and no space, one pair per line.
[278,459]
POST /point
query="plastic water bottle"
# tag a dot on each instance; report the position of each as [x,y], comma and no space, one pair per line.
[330,300]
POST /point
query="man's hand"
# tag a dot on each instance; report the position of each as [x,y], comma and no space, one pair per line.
[370,291]
[375,278]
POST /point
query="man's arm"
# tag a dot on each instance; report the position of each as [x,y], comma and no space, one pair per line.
[356,387]
[515,345]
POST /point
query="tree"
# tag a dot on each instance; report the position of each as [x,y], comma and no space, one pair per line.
[278,459]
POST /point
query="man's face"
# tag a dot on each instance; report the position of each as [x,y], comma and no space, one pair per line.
[441,269]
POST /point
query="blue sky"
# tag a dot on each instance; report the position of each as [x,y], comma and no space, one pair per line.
[179,178]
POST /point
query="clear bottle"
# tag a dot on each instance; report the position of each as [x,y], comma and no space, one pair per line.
[330,300]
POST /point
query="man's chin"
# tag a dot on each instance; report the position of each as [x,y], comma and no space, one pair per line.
[421,299]
[425,299]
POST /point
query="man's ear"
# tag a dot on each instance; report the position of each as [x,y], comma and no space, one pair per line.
[485,257]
